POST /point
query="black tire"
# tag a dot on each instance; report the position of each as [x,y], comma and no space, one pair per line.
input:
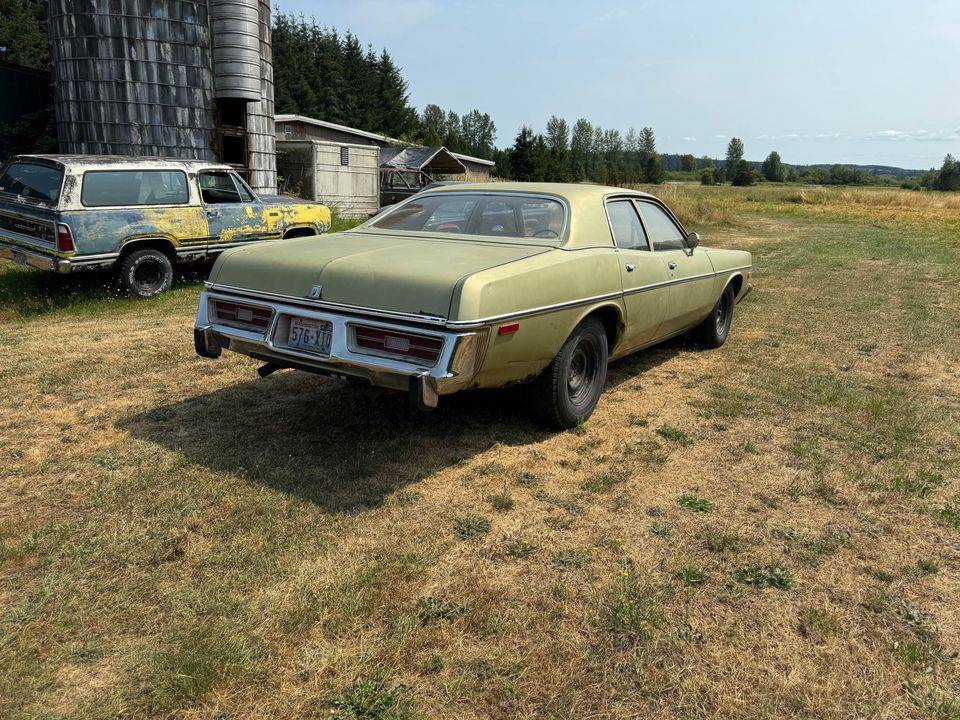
[567,391]
[146,272]
[713,331]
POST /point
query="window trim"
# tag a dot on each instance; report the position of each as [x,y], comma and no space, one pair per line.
[560,239]
[83,183]
[670,216]
[632,200]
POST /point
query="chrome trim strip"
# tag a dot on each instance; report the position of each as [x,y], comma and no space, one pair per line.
[459,324]
[324,305]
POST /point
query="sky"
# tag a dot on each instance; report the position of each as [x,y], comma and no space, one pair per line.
[820,82]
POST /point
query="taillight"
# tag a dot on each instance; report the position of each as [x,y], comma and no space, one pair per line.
[64,238]
[249,317]
[391,342]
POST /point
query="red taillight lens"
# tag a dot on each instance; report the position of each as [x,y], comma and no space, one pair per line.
[64,238]
[391,342]
[244,316]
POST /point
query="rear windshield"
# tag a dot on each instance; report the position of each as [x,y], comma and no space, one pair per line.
[31,181]
[134,187]
[497,215]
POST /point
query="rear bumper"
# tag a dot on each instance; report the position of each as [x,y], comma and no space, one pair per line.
[459,361]
[43,261]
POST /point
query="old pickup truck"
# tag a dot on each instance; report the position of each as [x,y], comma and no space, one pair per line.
[139,215]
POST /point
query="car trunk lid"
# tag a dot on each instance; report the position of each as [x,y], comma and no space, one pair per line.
[400,274]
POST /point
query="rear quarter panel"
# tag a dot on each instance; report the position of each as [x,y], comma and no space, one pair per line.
[541,281]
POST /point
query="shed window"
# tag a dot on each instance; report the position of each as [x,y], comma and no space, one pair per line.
[103,188]
[344,156]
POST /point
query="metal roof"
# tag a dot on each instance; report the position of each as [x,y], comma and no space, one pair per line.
[431,159]
[371,136]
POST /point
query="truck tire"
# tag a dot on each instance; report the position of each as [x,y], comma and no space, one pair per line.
[146,272]
[567,391]
[713,331]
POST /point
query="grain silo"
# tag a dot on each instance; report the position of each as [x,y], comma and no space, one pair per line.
[190,79]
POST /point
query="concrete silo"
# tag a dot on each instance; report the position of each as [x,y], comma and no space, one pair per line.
[176,78]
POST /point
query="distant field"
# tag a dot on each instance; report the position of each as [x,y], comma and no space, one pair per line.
[768,530]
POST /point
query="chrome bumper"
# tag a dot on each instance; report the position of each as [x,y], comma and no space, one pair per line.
[460,357]
[37,259]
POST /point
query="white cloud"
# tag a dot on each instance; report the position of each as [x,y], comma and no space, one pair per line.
[689,139]
[720,137]
[918,135]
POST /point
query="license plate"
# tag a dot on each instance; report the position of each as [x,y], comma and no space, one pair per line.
[19,258]
[310,335]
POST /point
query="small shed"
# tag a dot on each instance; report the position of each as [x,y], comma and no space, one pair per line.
[343,176]
[407,170]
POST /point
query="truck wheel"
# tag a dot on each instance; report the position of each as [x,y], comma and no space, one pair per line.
[146,272]
[713,331]
[567,392]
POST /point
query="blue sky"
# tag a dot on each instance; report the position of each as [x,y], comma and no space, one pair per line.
[842,81]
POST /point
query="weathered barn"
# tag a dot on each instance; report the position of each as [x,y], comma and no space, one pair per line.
[191,79]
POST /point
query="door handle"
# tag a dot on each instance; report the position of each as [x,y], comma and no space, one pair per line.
[631,267]
[672,265]
[213,213]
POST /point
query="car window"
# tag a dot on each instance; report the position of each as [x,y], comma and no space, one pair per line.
[32,181]
[491,214]
[625,223]
[218,187]
[662,230]
[103,188]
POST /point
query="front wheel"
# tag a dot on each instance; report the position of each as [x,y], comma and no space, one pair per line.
[567,392]
[146,272]
[713,331]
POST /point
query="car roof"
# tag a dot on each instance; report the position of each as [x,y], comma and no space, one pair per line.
[572,192]
[102,162]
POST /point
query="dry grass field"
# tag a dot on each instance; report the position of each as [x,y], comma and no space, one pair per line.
[768,530]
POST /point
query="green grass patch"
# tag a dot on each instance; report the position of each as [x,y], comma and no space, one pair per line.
[674,434]
[694,503]
[774,575]
[470,527]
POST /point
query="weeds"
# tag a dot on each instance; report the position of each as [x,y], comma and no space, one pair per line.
[775,576]
[674,434]
[373,699]
[470,527]
[694,503]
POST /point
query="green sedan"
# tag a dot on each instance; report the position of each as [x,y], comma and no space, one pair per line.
[478,286]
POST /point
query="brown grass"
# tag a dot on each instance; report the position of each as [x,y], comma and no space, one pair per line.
[180,538]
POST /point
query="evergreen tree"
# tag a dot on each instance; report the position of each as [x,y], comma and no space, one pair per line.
[581,142]
[948,177]
[742,174]
[734,156]
[558,147]
[773,169]
[522,157]
[688,163]
[653,169]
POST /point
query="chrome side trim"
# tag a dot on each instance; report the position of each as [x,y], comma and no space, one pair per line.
[459,324]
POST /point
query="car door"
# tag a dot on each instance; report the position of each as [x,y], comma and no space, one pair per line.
[643,275]
[233,213]
[690,272]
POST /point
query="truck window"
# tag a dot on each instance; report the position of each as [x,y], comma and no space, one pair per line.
[218,187]
[103,188]
[32,181]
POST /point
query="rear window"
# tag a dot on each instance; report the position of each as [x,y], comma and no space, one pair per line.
[495,215]
[31,181]
[134,187]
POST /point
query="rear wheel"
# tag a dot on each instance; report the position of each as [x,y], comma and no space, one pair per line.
[146,272]
[567,392]
[713,331]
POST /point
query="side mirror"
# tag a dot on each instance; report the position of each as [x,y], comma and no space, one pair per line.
[693,239]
